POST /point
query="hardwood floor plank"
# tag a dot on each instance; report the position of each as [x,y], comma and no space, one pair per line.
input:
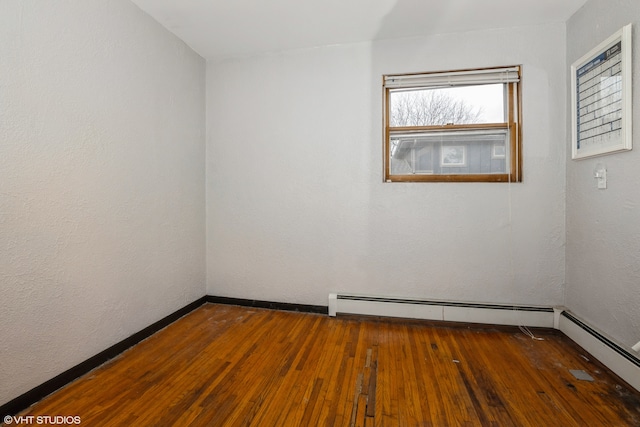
[233,366]
[433,393]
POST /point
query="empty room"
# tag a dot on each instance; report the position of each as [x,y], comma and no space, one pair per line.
[341,213]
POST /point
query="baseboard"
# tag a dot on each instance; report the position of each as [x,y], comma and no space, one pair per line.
[495,314]
[623,363]
[36,394]
[272,305]
[620,361]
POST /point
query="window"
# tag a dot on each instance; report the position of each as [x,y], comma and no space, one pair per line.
[453,126]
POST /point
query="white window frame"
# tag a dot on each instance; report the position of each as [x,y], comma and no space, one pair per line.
[495,154]
[445,164]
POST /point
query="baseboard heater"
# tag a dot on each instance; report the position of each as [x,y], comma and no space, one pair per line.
[614,356]
[622,362]
[496,314]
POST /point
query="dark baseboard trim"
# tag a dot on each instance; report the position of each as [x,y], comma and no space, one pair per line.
[304,308]
[36,394]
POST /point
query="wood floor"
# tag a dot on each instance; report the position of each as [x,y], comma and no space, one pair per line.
[232,366]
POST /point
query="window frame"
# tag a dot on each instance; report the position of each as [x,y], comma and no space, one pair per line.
[445,164]
[495,154]
[513,125]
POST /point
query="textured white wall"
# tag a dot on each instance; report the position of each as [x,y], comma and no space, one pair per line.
[603,226]
[296,203]
[102,144]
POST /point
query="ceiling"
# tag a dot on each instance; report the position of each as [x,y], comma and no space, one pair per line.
[219,29]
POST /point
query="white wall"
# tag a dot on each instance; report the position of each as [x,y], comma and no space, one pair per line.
[102,144]
[295,199]
[603,226]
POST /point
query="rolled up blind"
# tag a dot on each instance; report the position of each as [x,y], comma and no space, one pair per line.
[453,78]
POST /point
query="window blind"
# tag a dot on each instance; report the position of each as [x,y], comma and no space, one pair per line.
[453,78]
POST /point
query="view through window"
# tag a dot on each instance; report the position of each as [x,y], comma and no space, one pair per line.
[454,126]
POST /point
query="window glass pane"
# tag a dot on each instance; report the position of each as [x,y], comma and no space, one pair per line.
[450,105]
[449,152]
[424,159]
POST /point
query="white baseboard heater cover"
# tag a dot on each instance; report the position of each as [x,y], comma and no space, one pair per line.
[496,314]
[621,361]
